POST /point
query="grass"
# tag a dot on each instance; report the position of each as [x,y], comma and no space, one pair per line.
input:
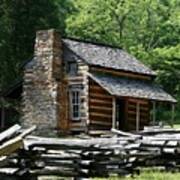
[176,126]
[148,174]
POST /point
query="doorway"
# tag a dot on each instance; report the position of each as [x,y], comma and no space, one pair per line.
[120,114]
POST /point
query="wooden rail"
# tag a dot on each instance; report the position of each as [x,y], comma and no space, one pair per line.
[121,153]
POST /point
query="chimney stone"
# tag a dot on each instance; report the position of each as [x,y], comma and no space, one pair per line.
[42,78]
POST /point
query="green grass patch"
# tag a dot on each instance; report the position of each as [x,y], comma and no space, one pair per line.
[147,174]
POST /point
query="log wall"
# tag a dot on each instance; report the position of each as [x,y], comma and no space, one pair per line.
[96,103]
[131,113]
[120,73]
[80,80]
[100,107]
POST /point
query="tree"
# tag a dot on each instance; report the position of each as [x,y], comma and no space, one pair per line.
[19,21]
[139,26]
[148,29]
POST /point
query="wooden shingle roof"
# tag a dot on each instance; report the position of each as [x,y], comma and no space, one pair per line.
[124,87]
[104,56]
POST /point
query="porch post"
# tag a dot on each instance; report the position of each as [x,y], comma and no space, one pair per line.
[154,112]
[113,112]
[137,116]
[172,115]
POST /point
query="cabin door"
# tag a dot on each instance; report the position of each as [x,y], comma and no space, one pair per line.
[120,114]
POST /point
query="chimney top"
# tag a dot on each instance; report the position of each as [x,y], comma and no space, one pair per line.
[47,42]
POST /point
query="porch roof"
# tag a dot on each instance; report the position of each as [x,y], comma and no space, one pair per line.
[125,87]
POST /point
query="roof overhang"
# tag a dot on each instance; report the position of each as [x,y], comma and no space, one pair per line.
[125,87]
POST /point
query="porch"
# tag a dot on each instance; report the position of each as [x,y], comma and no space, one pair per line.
[125,104]
[130,114]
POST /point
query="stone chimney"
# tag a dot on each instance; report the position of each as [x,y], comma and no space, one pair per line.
[42,78]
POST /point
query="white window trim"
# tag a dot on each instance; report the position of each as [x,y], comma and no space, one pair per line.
[71,104]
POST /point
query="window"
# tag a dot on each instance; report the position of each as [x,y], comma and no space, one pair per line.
[75,103]
[72,68]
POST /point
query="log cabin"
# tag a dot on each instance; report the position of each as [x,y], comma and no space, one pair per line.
[77,86]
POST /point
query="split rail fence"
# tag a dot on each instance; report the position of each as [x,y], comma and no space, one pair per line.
[118,153]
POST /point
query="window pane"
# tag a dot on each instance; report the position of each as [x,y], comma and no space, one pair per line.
[72,68]
[73,97]
[76,115]
[75,104]
[78,97]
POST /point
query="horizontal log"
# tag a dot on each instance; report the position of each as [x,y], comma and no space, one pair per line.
[33,141]
[141,113]
[97,89]
[104,115]
[122,133]
[64,172]
[133,106]
[100,101]
[99,95]
[103,123]
[61,156]
[102,119]
[159,131]
[142,120]
[94,127]
[119,73]
[101,111]
[95,103]
[8,170]
[100,108]
[143,102]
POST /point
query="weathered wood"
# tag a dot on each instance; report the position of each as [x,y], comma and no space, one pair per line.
[27,131]
[137,116]
[122,133]
[114,112]
[105,115]
[100,108]
[100,95]
[119,73]
[15,143]
[103,123]
[12,145]
[64,172]
[98,101]
[12,131]
[159,131]
[102,111]
[92,157]
[145,102]
[100,118]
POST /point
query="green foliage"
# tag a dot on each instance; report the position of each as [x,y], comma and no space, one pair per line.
[19,21]
[148,29]
[166,61]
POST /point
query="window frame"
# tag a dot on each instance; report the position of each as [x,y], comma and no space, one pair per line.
[75,102]
[72,68]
